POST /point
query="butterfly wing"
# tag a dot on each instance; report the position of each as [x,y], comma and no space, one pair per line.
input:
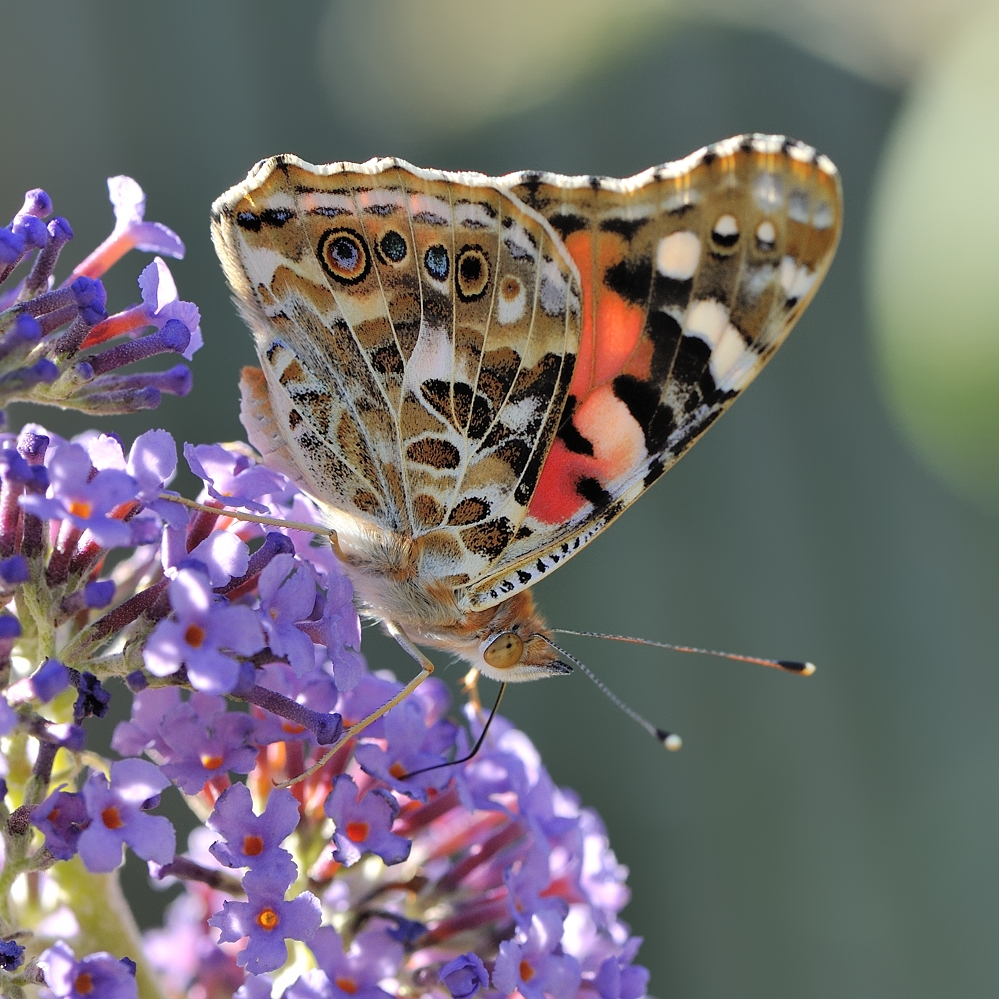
[693,273]
[417,332]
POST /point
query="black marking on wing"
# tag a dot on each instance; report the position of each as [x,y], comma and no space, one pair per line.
[623,227]
[569,434]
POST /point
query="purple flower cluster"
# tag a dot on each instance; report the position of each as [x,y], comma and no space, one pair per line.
[48,331]
[369,877]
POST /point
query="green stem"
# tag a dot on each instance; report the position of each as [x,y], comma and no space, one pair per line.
[37,600]
[106,921]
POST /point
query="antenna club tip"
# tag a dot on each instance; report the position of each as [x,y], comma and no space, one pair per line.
[793,666]
[670,740]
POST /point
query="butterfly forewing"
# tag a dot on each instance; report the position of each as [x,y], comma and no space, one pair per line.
[693,274]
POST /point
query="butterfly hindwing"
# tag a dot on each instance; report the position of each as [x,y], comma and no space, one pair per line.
[417,332]
[692,274]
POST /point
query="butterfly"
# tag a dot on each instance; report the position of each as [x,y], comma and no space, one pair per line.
[473,375]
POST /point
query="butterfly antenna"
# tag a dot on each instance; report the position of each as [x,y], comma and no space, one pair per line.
[475,748]
[669,739]
[787,665]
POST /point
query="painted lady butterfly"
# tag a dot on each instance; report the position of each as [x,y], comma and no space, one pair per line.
[475,375]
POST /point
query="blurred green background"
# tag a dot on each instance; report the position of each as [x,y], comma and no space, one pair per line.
[824,837]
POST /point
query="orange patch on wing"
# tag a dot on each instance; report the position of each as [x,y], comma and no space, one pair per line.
[608,341]
[640,362]
[618,447]
[619,325]
[555,499]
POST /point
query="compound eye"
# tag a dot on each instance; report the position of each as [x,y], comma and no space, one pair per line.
[504,650]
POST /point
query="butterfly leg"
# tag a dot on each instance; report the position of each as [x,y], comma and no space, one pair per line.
[426,668]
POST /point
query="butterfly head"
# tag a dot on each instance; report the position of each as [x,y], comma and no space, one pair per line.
[513,647]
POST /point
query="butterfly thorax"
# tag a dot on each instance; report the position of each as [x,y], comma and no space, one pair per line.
[506,642]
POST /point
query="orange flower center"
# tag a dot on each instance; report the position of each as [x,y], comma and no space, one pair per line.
[81,508]
[84,983]
[211,762]
[253,846]
[267,919]
[111,818]
[397,770]
[347,985]
[194,635]
[357,832]
[526,971]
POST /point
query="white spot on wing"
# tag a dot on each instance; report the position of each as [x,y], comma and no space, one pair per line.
[474,216]
[511,300]
[706,319]
[795,280]
[801,152]
[678,254]
[797,208]
[519,416]
[767,143]
[731,360]
[823,217]
[767,191]
[553,289]
[766,235]
[433,356]
[428,206]
[757,280]
[727,225]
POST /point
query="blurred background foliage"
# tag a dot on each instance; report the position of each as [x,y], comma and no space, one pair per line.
[828,837]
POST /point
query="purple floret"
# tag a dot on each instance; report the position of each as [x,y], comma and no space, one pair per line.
[91,699]
[232,478]
[533,962]
[142,732]
[464,976]
[203,626]
[409,746]
[364,826]
[372,957]
[254,841]
[222,555]
[287,590]
[339,629]
[117,817]
[14,570]
[96,976]
[268,921]
[49,680]
[11,955]
[61,817]
[617,980]
[152,462]
[77,495]
[204,741]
